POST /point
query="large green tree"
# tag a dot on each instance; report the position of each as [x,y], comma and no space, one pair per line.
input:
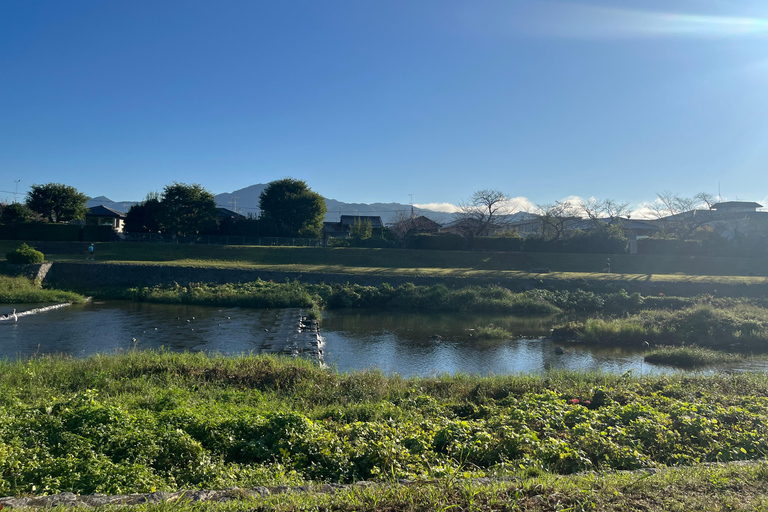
[15,214]
[57,202]
[290,208]
[187,209]
[144,217]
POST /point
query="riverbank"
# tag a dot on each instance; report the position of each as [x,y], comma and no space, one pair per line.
[730,486]
[19,290]
[81,275]
[145,421]
[644,265]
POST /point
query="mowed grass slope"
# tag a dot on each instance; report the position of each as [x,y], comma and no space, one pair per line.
[319,258]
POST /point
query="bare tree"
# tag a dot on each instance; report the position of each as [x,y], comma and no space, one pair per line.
[402,224]
[706,198]
[484,213]
[677,214]
[555,218]
[598,209]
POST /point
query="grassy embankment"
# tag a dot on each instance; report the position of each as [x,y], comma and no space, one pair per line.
[17,290]
[456,263]
[158,421]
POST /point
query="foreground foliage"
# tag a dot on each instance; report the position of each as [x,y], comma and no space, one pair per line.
[159,421]
[713,488]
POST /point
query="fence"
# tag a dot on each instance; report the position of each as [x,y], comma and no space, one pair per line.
[218,240]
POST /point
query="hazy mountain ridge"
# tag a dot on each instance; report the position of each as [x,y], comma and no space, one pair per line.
[246,201]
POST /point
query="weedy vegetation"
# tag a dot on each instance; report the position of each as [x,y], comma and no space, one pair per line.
[145,421]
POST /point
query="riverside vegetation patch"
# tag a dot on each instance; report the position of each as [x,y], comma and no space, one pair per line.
[145,421]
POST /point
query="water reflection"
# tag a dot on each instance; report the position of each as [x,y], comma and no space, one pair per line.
[415,344]
[108,327]
[407,344]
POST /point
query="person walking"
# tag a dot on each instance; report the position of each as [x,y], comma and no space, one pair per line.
[90,253]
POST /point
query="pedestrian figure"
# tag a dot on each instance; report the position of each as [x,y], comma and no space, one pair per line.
[90,253]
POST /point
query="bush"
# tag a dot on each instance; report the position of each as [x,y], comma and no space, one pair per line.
[25,254]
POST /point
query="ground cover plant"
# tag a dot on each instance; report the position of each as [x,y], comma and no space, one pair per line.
[146,421]
[723,487]
[16,290]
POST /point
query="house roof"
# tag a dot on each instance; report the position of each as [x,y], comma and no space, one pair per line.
[103,211]
[348,220]
[726,205]
[225,213]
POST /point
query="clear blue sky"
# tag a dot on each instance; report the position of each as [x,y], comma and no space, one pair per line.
[373,101]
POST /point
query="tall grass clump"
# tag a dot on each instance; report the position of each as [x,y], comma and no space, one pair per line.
[690,357]
[492,332]
[16,290]
[255,294]
[743,325]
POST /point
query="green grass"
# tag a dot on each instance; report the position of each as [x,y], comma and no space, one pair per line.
[492,332]
[316,297]
[713,488]
[16,290]
[586,265]
[145,420]
[726,324]
[690,357]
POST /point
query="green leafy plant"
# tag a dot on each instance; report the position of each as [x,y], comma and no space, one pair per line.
[25,254]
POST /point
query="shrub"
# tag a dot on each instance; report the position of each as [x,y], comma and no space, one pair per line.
[25,254]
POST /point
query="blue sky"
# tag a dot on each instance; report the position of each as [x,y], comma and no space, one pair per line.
[373,101]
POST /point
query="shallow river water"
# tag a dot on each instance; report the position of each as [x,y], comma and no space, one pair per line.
[407,344]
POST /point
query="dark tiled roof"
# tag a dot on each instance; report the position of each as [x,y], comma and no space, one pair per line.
[735,204]
[103,211]
[348,220]
[225,213]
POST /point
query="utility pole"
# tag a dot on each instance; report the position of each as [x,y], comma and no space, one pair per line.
[412,214]
[16,193]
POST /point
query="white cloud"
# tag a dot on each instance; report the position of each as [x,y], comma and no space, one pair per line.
[438,207]
[521,204]
[571,20]
[588,21]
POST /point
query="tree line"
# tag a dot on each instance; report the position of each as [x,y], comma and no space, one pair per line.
[289,208]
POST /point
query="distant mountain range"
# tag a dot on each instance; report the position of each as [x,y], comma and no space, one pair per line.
[246,200]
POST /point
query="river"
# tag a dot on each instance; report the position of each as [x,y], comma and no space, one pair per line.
[394,342]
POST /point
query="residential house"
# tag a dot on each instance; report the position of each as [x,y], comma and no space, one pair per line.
[224,213]
[104,216]
[342,228]
[414,225]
